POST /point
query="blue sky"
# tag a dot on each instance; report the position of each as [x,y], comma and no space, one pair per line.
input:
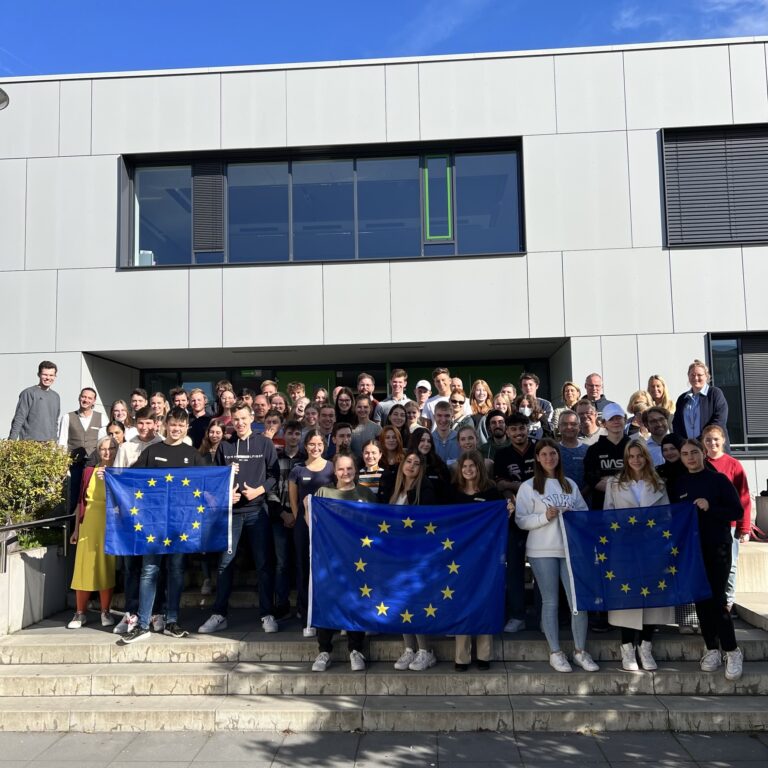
[53,36]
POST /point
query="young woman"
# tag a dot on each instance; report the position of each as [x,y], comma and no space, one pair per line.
[540,501]
[321,396]
[365,429]
[279,402]
[480,399]
[398,419]
[718,504]
[159,404]
[412,416]
[413,488]
[570,394]
[458,417]
[345,406]
[638,402]
[391,445]
[637,485]
[657,389]
[118,411]
[94,570]
[214,434]
[346,489]
[370,474]
[116,430]
[435,469]
[304,480]
[504,403]
[538,426]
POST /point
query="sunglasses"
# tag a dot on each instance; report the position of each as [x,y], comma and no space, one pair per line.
[457,402]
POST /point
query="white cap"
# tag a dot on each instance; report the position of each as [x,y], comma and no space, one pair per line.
[613,409]
[423,384]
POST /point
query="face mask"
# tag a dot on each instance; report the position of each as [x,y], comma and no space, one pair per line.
[526,411]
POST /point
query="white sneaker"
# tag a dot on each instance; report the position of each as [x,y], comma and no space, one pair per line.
[357,661]
[585,661]
[157,623]
[207,588]
[126,624]
[734,663]
[559,662]
[310,632]
[322,662]
[78,620]
[405,659]
[711,661]
[268,624]
[514,625]
[424,660]
[107,619]
[216,623]
[628,657]
[647,662]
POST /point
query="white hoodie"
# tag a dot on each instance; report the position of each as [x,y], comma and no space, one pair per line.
[545,538]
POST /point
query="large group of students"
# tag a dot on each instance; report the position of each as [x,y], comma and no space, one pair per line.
[438,443]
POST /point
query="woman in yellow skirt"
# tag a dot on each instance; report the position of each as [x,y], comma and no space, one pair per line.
[94,570]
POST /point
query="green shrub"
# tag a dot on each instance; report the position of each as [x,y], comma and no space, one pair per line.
[32,479]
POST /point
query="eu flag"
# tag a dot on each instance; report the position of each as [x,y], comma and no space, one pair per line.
[184,509]
[635,558]
[402,569]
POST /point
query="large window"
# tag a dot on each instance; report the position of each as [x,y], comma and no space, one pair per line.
[327,209]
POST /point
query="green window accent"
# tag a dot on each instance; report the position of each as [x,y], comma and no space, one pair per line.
[438,198]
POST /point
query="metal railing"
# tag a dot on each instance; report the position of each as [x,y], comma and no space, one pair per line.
[59,521]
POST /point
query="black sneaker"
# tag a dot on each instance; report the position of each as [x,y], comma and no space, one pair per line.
[136,634]
[174,630]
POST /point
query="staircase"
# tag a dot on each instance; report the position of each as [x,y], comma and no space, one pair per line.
[54,679]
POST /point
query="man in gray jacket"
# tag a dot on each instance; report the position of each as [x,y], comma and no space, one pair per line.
[37,412]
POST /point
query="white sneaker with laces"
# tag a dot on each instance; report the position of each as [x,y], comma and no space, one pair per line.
[514,625]
[268,624]
[405,659]
[126,624]
[647,662]
[322,662]
[424,660]
[711,661]
[78,620]
[559,662]
[585,661]
[216,623]
[207,588]
[628,657]
[107,619]
[734,664]
[357,661]
[157,623]
[309,632]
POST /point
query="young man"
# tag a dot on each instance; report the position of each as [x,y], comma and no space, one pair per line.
[246,395]
[445,438]
[268,388]
[179,398]
[326,418]
[572,450]
[398,381]
[605,458]
[422,392]
[341,440]
[172,452]
[258,472]
[37,412]
[260,408]
[593,386]
[366,385]
[589,431]
[295,390]
[497,432]
[529,385]
[441,378]
[139,400]
[510,390]
[199,418]
[656,421]
[511,467]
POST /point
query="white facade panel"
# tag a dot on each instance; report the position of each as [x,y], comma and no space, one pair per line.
[30,123]
[428,299]
[620,369]
[608,292]
[253,110]
[576,192]
[156,114]
[279,306]
[755,282]
[206,303]
[75,118]
[748,83]
[645,188]
[112,381]
[402,87]
[152,313]
[708,290]
[27,311]
[671,87]
[590,92]
[487,97]
[545,294]
[13,194]
[356,303]
[336,106]
[586,358]
[72,212]
[668,355]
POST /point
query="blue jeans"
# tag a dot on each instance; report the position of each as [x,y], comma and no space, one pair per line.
[549,572]
[256,525]
[150,570]
[730,590]
[281,537]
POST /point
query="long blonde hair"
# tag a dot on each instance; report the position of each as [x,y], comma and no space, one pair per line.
[488,404]
[648,475]
[400,479]
[666,401]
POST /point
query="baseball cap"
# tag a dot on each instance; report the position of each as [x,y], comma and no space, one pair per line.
[613,409]
[423,383]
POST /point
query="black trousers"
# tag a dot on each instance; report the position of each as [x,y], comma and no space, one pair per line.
[714,619]
[355,640]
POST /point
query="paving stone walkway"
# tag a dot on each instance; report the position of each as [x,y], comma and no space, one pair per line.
[392,750]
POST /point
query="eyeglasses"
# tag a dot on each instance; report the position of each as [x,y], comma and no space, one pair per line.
[457,402]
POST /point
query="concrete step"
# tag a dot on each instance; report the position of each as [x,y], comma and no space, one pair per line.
[380,679]
[383,713]
[753,608]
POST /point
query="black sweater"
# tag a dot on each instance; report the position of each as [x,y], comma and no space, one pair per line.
[603,459]
[258,465]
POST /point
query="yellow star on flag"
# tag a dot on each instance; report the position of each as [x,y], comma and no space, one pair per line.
[366,542]
[625,588]
[615,526]
[201,509]
[169,478]
[197,493]
[406,616]
[360,565]
[151,482]
[651,523]
[662,585]
[382,609]
[184,536]
[610,575]
[137,527]
[645,591]
[603,539]
[667,534]
[408,522]
[150,538]
[453,567]
[448,544]
[431,528]
[672,569]
[139,494]
[167,542]
[431,611]
[447,593]
[674,551]
[384,527]
[196,524]
[632,520]
[602,557]
[365,591]
[134,510]
[185,481]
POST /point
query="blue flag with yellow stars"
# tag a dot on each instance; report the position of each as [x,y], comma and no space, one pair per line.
[401,569]
[161,512]
[635,558]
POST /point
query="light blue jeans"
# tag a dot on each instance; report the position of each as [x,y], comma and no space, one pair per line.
[549,572]
[730,590]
